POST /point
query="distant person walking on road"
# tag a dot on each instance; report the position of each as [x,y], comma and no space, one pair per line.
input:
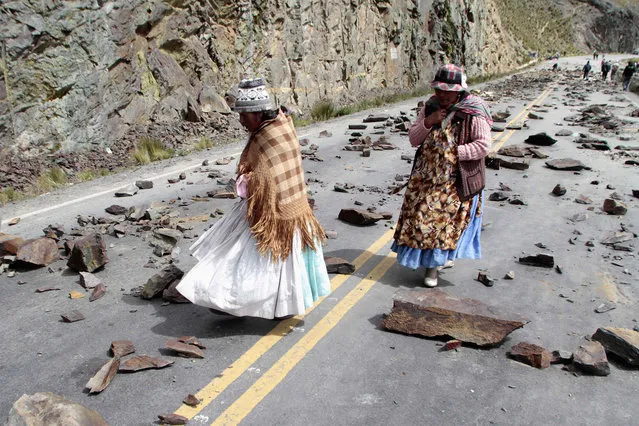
[441,216]
[587,69]
[264,258]
[628,72]
[605,69]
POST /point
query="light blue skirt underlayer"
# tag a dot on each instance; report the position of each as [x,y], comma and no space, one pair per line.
[468,247]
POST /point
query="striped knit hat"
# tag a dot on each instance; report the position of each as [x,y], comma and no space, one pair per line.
[450,78]
[252,96]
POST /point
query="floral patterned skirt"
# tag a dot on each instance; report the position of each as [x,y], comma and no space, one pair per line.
[468,245]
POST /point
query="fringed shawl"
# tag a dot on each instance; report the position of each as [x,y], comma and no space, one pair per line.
[277,200]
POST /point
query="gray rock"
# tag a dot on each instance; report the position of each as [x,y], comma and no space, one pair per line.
[559,190]
[144,184]
[129,191]
[591,358]
[565,164]
[159,282]
[46,408]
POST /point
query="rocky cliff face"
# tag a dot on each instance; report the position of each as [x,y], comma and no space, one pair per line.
[85,73]
[605,26]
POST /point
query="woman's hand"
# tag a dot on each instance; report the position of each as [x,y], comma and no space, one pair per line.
[435,118]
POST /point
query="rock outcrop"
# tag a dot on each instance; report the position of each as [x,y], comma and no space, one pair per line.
[84,74]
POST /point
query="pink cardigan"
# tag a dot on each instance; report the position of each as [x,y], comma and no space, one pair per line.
[479,134]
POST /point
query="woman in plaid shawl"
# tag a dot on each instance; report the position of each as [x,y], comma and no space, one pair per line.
[264,259]
[441,220]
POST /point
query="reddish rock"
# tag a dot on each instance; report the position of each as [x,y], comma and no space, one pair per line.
[120,348]
[622,342]
[103,377]
[452,345]
[143,362]
[170,294]
[9,244]
[172,419]
[191,340]
[434,313]
[98,292]
[39,252]
[337,265]
[614,207]
[591,358]
[530,354]
[189,351]
[359,217]
[88,254]
[191,400]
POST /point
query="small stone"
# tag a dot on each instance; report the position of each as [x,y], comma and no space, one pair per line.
[103,377]
[173,419]
[116,209]
[148,184]
[452,345]
[614,207]
[561,357]
[120,348]
[579,217]
[582,199]
[605,307]
[129,191]
[337,265]
[223,161]
[75,295]
[485,279]
[359,217]
[182,176]
[498,196]
[559,190]
[191,400]
[541,259]
[98,292]
[541,139]
[591,358]
[531,354]
[72,316]
[143,362]
[510,275]
[189,351]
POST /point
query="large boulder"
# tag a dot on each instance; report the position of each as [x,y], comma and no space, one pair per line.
[88,253]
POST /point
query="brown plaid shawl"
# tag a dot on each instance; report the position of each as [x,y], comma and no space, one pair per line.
[277,201]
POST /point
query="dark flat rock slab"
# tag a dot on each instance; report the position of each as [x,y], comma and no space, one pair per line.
[623,342]
[434,313]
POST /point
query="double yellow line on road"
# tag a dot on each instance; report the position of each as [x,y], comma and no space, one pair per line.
[235,370]
[242,406]
[499,141]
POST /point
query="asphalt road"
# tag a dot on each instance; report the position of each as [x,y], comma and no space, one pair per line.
[336,365]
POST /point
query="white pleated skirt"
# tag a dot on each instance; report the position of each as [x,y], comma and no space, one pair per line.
[232,276]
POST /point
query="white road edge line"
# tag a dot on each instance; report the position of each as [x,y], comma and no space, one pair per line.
[98,194]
